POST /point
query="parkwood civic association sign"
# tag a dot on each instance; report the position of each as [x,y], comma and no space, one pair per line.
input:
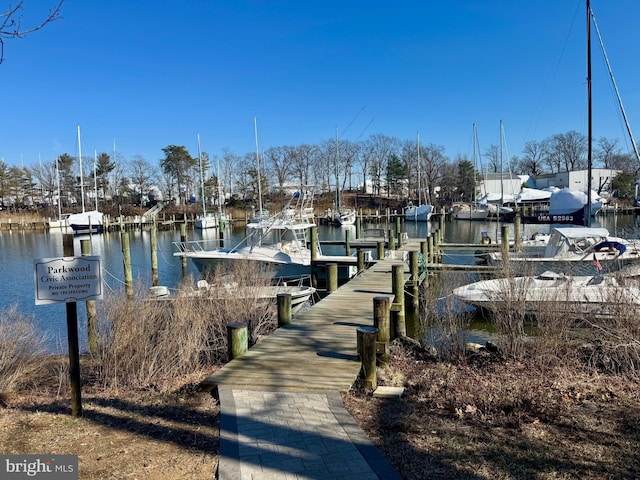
[68,279]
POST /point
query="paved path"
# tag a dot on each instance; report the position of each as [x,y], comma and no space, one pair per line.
[279,435]
[282,416]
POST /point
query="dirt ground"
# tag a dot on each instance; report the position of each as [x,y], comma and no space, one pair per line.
[483,420]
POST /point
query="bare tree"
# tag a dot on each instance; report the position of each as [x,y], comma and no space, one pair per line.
[303,159]
[279,160]
[379,148]
[141,173]
[11,25]
[532,161]
[606,151]
[433,162]
[570,147]
[492,154]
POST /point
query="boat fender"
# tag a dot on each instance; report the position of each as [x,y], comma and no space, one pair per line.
[486,239]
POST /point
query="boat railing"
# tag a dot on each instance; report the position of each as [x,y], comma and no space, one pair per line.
[197,246]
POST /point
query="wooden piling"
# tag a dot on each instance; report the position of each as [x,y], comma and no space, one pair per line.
[347,243]
[359,225]
[92,329]
[183,238]
[367,351]
[361,265]
[126,260]
[381,321]
[284,308]
[332,277]
[392,239]
[380,250]
[154,256]
[237,340]
[504,241]
[517,232]
[412,297]
[400,327]
[398,232]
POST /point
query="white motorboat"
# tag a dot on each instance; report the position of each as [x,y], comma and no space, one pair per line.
[576,296]
[300,293]
[469,211]
[278,246]
[573,250]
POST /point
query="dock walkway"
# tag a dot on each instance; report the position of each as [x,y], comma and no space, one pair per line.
[281,412]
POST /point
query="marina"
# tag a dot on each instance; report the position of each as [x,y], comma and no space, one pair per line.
[19,248]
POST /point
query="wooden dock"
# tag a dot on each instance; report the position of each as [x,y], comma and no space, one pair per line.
[317,351]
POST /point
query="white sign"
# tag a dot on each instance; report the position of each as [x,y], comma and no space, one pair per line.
[69,279]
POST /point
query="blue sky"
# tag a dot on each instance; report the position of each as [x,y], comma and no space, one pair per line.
[148,74]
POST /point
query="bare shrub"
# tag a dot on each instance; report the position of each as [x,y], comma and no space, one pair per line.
[443,327]
[144,341]
[22,349]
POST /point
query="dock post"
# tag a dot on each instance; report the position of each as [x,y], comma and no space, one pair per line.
[360,261]
[398,232]
[154,255]
[332,277]
[367,351]
[517,231]
[183,238]
[382,322]
[126,258]
[359,226]
[92,331]
[441,222]
[424,248]
[380,251]
[400,326]
[284,309]
[430,249]
[347,243]
[392,239]
[412,297]
[237,340]
[504,241]
[314,243]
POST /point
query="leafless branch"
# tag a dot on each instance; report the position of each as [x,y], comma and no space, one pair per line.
[11,23]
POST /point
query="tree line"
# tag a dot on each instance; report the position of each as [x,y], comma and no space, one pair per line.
[392,167]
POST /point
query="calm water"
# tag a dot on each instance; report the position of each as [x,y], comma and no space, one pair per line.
[19,249]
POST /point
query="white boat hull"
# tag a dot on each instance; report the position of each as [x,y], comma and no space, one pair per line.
[90,221]
[421,213]
[551,293]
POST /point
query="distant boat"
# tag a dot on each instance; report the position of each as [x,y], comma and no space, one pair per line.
[473,210]
[341,215]
[87,221]
[554,293]
[205,219]
[423,211]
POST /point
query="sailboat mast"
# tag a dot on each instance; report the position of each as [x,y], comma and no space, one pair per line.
[95,176]
[255,132]
[501,170]
[587,216]
[337,179]
[59,194]
[419,182]
[204,209]
[81,172]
